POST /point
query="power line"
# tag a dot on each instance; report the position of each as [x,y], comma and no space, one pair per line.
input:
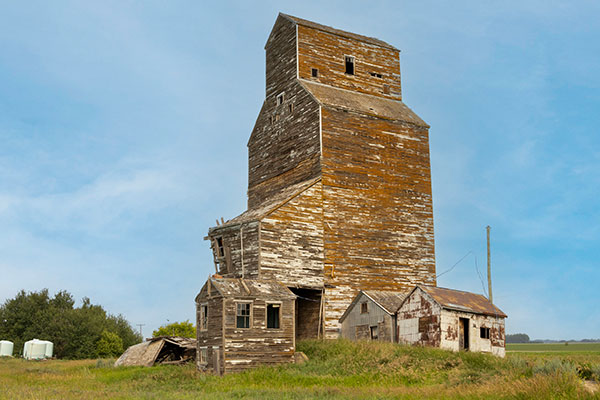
[455,264]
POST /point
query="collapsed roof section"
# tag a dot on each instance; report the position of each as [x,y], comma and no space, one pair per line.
[159,350]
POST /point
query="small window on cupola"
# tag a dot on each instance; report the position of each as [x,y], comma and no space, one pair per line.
[349,61]
[314,73]
[280,98]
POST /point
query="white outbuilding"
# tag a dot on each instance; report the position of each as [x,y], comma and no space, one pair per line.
[451,319]
[6,348]
[37,349]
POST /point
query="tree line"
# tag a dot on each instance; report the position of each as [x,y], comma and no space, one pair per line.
[81,332]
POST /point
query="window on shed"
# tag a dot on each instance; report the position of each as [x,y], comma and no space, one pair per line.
[203,355]
[314,73]
[220,251]
[203,317]
[280,98]
[484,333]
[349,62]
[424,324]
[243,315]
[364,307]
[273,316]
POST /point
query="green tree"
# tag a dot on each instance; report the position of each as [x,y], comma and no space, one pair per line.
[517,338]
[109,345]
[75,331]
[183,329]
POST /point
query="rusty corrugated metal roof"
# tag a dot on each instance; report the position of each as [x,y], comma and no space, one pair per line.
[364,103]
[338,32]
[462,301]
[390,301]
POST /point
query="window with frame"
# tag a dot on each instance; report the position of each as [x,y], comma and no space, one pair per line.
[203,355]
[242,315]
[203,317]
[273,316]
[349,63]
[364,308]
[220,250]
[280,98]
[484,333]
[314,72]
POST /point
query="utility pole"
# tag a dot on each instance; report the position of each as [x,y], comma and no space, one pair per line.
[140,325]
[489,264]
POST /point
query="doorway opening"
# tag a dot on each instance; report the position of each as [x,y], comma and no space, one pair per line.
[463,336]
[308,313]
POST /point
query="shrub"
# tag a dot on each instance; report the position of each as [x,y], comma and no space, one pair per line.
[109,345]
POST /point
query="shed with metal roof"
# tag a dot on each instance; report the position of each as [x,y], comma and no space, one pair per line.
[451,319]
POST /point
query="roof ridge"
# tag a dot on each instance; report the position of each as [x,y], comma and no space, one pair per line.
[338,32]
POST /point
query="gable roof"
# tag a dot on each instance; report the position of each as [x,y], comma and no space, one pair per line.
[389,301]
[338,32]
[270,205]
[459,300]
[361,102]
[248,288]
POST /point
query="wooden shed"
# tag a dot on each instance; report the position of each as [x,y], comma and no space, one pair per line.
[243,323]
[451,319]
[372,316]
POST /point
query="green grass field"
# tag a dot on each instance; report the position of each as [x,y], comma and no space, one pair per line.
[335,370]
[554,347]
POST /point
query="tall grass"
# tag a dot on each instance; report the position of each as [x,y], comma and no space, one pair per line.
[336,369]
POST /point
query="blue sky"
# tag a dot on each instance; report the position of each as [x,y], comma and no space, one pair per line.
[123,131]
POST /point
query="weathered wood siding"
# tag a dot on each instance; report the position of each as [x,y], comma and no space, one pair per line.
[377,207]
[419,321]
[291,241]
[258,345]
[210,339]
[356,324]
[284,147]
[233,237]
[326,51]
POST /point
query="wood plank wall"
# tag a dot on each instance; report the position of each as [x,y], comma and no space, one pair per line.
[258,345]
[326,51]
[232,245]
[291,241]
[377,206]
[284,147]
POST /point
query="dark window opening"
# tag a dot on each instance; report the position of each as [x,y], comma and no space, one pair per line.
[364,308]
[204,317]
[276,117]
[271,119]
[375,74]
[243,315]
[484,333]
[424,323]
[386,89]
[203,355]
[314,72]
[280,99]
[374,333]
[273,316]
[349,61]
[220,251]
[291,107]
